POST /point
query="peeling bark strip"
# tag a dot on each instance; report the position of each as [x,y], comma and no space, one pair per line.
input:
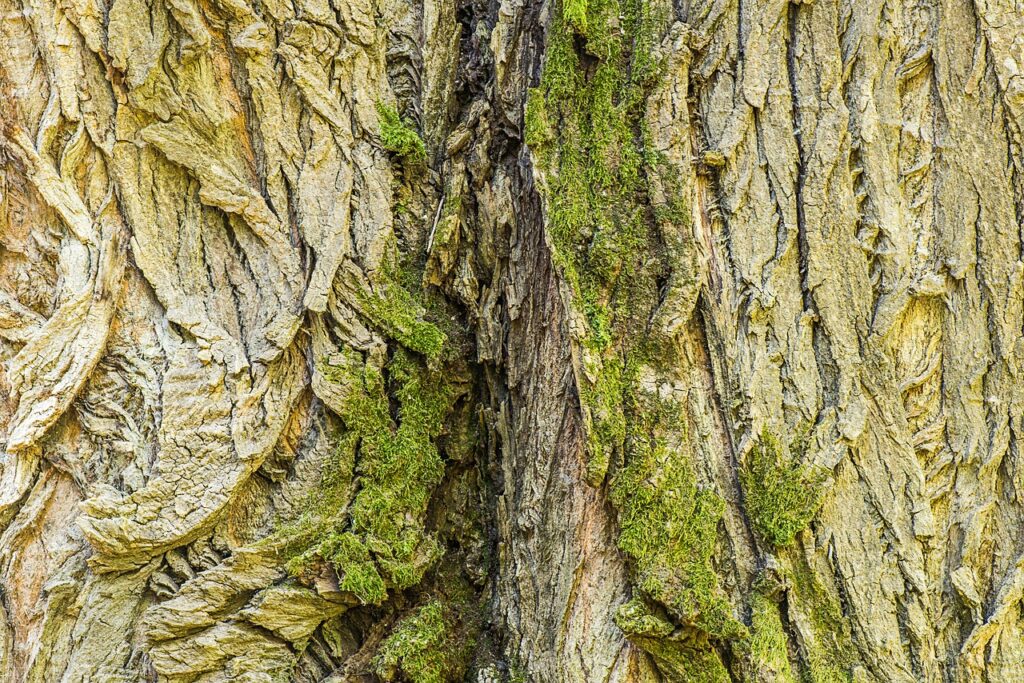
[585,340]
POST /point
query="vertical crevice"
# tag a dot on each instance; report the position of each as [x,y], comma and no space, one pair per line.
[793,16]
[726,433]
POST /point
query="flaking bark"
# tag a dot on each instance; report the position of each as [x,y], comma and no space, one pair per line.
[585,340]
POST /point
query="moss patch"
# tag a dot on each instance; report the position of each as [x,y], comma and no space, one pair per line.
[426,647]
[686,658]
[769,653]
[398,135]
[781,495]
[614,213]
[380,542]
[398,313]
[668,525]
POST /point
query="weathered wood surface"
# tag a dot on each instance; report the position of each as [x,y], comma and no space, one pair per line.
[586,340]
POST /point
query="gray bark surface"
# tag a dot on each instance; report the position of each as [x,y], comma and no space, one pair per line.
[575,341]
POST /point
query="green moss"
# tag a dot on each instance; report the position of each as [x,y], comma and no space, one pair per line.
[537,126]
[781,496]
[637,619]
[381,542]
[669,526]
[356,566]
[575,13]
[603,407]
[682,658]
[398,135]
[423,648]
[323,515]
[437,640]
[821,670]
[828,654]
[392,307]
[769,654]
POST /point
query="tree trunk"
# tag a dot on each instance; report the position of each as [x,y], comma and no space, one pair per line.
[591,340]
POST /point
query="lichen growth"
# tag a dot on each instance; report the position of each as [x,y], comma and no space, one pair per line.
[425,647]
[398,135]
[828,651]
[781,495]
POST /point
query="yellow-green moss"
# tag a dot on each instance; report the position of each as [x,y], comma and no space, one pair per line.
[668,525]
[685,658]
[399,314]
[537,126]
[607,429]
[781,495]
[821,670]
[380,542]
[769,653]
[575,13]
[398,135]
[829,654]
[423,648]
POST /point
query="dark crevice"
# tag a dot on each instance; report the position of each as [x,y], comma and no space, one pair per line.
[827,369]
[801,169]
[717,402]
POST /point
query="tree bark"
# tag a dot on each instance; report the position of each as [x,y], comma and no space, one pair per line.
[585,340]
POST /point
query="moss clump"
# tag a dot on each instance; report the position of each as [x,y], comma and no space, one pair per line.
[355,565]
[421,649]
[381,542]
[687,658]
[398,135]
[367,519]
[399,314]
[669,526]
[821,670]
[603,408]
[435,642]
[575,13]
[769,653]
[781,496]
[537,126]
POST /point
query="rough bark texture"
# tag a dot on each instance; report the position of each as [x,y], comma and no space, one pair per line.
[440,340]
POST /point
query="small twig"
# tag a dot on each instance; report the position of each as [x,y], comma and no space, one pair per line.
[433,229]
